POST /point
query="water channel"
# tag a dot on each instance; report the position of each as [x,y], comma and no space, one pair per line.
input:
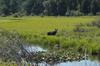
[87,62]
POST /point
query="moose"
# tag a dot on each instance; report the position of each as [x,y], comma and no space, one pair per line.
[52,32]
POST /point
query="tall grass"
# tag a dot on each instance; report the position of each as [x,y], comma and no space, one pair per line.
[39,25]
[74,32]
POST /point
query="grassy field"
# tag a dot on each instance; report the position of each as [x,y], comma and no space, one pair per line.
[40,25]
[34,30]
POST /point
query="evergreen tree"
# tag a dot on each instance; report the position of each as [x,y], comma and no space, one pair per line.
[4,7]
[85,7]
[13,6]
[61,7]
[49,7]
[94,7]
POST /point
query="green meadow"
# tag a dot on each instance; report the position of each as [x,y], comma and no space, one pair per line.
[40,25]
[34,30]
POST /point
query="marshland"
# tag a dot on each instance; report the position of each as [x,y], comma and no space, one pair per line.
[25,41]
[49,32]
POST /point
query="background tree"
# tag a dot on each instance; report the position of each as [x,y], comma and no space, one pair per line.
[85,7]
[4,7]
[61,7]
[13,6]
[94,7]
[49,7]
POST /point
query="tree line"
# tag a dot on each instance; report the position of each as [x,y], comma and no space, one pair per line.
[49,7]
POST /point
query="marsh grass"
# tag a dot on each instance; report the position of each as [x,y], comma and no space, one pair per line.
[73,32]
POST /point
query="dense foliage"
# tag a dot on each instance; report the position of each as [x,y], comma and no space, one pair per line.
[49,7]
[10,45]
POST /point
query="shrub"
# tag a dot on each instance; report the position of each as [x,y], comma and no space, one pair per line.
[10,44]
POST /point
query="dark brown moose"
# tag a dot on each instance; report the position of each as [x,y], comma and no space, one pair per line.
[52,32]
